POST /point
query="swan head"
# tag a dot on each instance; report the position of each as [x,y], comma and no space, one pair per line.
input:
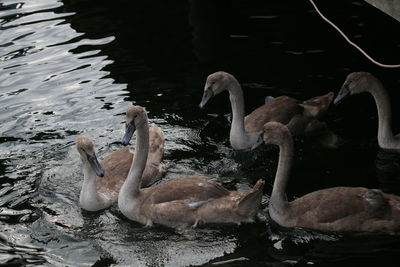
[355,83]
[215,84]
[136,117]
[275,133]
[85,148]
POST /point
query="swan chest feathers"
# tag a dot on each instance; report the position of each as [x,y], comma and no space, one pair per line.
[130,207]
[92,200]
[390,143]
[245,141]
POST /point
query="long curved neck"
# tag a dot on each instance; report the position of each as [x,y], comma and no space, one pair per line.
[131,187]
[237,133]
[278,196]
[382,100]
[89,198]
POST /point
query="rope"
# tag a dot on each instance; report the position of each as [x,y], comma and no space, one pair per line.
[350,42]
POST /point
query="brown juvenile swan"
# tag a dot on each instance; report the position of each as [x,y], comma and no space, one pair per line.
[300,116]
[358,82]
[102,181]
[182,202]
[332,209]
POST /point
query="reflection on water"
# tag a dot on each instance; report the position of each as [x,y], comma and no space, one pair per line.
[70,68]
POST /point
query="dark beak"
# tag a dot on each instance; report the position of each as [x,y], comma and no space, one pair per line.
[206,96]
[259,142]
[343,93]
[94,163]
[129,131]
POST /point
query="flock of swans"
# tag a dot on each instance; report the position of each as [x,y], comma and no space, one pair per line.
[126,175]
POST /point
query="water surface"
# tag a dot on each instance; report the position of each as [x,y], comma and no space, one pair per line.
[70,68]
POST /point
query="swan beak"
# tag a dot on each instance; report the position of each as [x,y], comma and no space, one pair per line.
[94,163]
[343,93]
[259,142]
[208,94]
[129,131]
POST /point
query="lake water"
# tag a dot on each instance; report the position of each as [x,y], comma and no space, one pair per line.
[70,68]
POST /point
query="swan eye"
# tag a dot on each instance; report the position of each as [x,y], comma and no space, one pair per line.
[85,152]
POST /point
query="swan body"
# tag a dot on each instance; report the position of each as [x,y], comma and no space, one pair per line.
[302,117]
[358,82]
[182,202]
[102,181]
[347,209]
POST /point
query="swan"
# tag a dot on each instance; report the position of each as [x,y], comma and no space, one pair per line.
[300,116]
[181,202]
[346,209]
[102,181]
[358,82]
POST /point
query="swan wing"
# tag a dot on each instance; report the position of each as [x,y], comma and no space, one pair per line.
[280,109]
[116,168]
[317,106]
[339,203]
[157,141]
[193,191]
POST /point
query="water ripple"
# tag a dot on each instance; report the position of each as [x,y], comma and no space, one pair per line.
[47,90]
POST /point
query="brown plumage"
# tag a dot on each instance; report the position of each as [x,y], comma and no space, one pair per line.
[181,202]
[116,165]
[301,117]
[332,209]
[101,192]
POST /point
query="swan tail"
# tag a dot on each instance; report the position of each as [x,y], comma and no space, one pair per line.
[249,204]
[318,106]
[157,142]
[268,99]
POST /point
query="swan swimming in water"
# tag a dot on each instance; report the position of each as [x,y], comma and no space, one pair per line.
[102,181]
[358,82]
[181,202]
[302,117]
[332,209]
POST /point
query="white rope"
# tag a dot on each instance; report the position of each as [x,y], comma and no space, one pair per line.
[350,42]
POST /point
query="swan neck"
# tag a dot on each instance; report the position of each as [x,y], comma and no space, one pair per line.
[237,104]
[382,100]
[283,171]
[89,197]
[131,187]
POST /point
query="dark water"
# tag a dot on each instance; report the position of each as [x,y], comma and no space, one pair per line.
[70,68]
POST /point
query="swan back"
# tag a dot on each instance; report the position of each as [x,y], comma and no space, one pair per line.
[154,168]
[317,106]
[157,141]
